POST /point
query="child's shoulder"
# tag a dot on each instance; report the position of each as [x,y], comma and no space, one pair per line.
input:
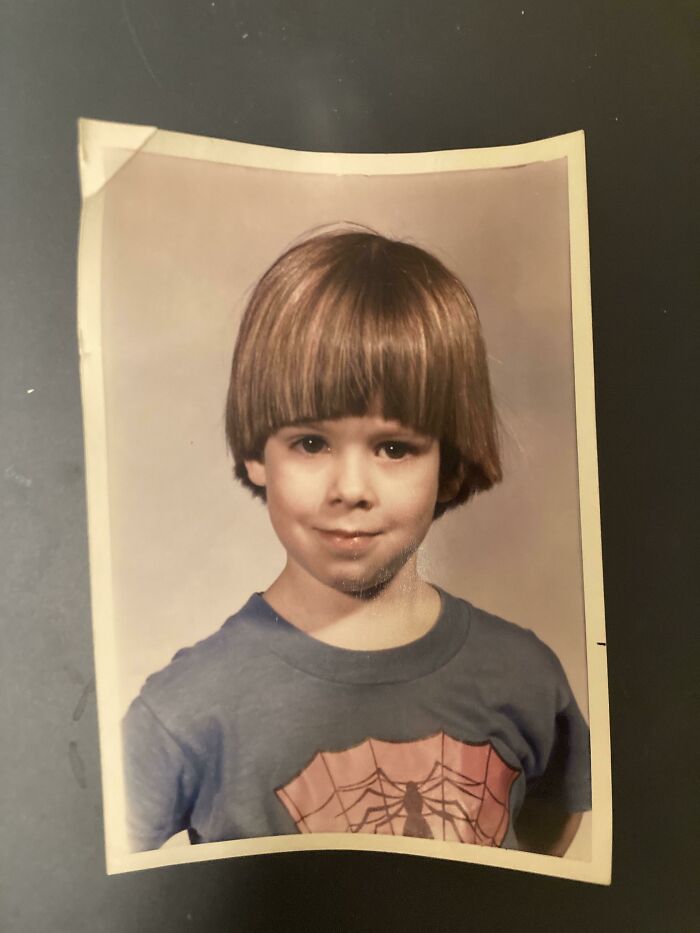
[504,644]
[199,670]
[510,662]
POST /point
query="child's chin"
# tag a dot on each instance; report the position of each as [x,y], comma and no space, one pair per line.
[362,587]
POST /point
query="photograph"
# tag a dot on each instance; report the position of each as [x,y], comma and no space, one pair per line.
[343,508]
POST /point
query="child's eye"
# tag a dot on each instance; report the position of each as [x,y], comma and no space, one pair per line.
[396,450]
[310,444]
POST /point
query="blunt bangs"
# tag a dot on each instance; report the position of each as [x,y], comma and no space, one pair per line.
[351,323]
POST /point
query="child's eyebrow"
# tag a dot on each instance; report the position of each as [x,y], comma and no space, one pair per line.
[397,431]
[392,429]
[304,425]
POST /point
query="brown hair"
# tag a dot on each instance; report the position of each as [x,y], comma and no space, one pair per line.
[348,322]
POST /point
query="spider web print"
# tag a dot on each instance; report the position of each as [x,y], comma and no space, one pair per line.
[432,788]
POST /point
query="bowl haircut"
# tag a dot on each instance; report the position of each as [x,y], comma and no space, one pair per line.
[347,323]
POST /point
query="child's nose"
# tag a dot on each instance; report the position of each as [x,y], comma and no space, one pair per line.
[351,480]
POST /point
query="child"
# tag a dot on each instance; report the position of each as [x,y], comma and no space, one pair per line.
[353,696]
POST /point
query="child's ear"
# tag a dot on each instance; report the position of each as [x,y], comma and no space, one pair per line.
[256,472]
[450,486]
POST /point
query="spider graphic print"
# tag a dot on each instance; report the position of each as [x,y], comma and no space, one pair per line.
[432,788]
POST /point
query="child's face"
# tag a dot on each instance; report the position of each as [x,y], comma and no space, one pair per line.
[350,499]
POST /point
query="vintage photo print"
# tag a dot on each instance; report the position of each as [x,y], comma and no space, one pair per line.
[343,502]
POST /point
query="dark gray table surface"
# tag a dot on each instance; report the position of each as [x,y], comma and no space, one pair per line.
[367,76]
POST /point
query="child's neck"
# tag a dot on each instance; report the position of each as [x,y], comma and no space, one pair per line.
[403,611]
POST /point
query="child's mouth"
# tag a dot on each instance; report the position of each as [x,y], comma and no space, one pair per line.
[342,540]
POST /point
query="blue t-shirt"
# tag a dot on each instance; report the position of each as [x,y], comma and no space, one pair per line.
[261,730]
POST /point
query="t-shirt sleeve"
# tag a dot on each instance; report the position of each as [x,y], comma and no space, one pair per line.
[567,776]
[159,778]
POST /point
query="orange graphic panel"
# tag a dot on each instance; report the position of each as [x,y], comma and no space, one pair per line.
[432,788]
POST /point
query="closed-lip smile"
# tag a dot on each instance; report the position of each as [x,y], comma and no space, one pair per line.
[341,533]
[352,542]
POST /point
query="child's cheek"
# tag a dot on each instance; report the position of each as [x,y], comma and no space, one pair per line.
[417,492]
[299,489]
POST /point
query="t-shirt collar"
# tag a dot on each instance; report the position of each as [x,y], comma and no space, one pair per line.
[389,665]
